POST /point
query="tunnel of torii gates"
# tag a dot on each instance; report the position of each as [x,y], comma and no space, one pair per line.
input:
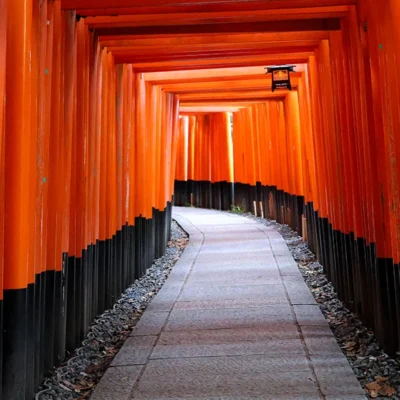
[112,110]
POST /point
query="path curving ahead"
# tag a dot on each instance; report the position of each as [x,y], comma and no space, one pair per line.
[235,320]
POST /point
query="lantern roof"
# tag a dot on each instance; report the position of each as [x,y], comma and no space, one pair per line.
[279,68]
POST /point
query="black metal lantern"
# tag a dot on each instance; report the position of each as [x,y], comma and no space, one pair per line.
[280,76]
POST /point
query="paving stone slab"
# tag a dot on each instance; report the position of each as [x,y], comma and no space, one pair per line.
[288,266]
[298,291]
[346,397]
[239,247]
[231,236]
[280,249]
[295,281]
[231,292]
[231,349]
[272,232]
[309,315]
[166,298]
[135,351]
[237,277]
[223,342]
[117,383]
[151,323]
[171,287]
[264,257]
[179,275]
[161,306]
[320,340]
[218,336]
[236,265]
[232,303]
[263,397]
[237,376]
[232,232]
[299,298]
[181,271]
[229,318]
[335,375]
[231,281]
[245,261]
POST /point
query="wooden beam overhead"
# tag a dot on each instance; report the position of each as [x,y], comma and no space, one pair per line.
[229,85]
[232,95]
[135,7]
[207,79]
[230,103]
[218,73]
[247,61]
[173,35]
[217,78]
[173,42]
[209,109]
[211,49]
[328,24]
[188,49]
[215,17]
[127,56]
[222,60]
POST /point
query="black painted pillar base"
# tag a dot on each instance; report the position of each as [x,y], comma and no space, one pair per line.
[60,316]
[49,320]
[55,313]
[15,344]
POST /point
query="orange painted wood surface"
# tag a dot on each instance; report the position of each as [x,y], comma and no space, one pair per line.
[17,144]
[99,116]
[3,65]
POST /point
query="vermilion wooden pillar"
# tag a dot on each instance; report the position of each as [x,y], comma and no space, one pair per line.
[17,209]
[3,63]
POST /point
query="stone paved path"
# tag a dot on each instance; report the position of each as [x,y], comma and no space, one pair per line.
[235,320]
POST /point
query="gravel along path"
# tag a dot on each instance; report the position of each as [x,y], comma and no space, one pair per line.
[78,376]
[378,373]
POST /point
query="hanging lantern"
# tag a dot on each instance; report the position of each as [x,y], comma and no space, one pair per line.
[280,76]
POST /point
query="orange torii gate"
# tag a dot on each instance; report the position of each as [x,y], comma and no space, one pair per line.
[92,141]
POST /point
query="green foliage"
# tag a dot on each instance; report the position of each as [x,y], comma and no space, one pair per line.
[237,209]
